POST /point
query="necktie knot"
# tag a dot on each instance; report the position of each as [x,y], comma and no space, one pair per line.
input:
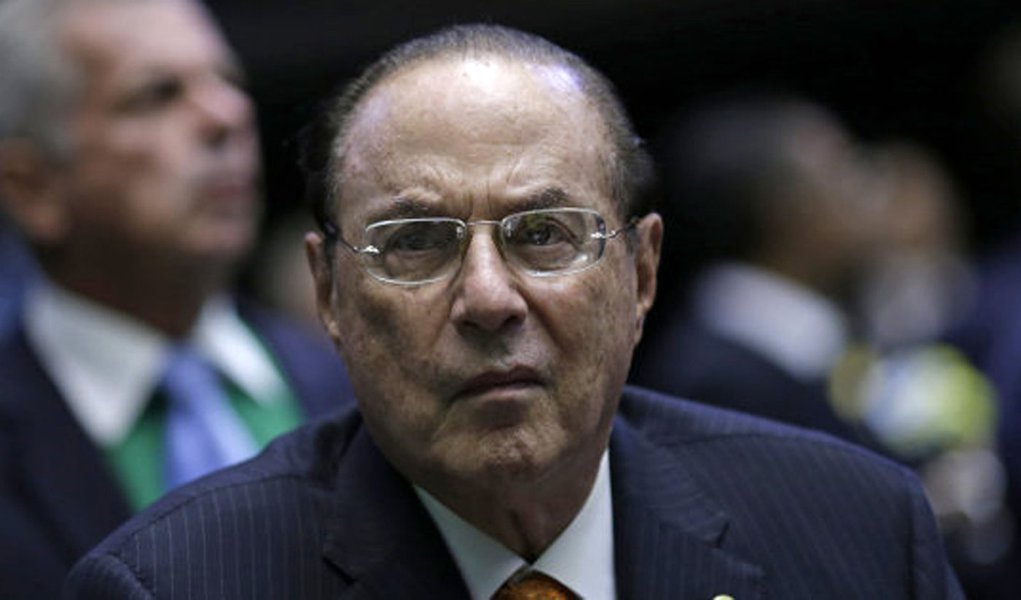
[533,586]
[203,432]
[188,378]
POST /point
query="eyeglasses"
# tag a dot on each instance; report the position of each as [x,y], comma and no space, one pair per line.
[540,243]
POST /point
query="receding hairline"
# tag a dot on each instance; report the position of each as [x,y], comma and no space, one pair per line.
[45,77]
[628,167]
[575,94]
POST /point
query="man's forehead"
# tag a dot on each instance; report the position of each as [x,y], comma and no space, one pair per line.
[144,34]
[489,95]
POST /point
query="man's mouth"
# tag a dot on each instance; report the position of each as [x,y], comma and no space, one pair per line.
[501,381]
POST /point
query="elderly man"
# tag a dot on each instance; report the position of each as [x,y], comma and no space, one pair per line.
[129,161]
[484,266]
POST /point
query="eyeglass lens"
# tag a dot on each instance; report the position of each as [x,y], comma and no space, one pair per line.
[542,242]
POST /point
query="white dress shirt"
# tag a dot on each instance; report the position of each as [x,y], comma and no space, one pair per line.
[581,557]
[798,329]
[107,364]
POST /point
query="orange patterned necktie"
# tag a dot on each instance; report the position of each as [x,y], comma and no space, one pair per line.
[534,586]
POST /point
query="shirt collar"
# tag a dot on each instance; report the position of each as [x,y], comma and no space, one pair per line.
[107,364]
[581,557]
[803,332]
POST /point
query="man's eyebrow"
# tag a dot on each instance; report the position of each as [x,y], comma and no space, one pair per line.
[550,197]
[406,207]
[410,207]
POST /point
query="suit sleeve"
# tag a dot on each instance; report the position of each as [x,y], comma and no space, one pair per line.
[104,576]
[932,575]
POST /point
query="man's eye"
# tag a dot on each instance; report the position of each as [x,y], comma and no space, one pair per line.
[540,232]
[153,96]
[421,237]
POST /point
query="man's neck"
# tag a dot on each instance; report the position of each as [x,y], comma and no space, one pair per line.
[170,306]
[581,557]
[526,517]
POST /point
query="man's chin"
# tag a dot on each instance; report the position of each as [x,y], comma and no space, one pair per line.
[228,242]
[220,257]
[507,457]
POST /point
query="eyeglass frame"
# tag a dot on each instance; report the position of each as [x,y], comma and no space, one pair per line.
[332,233]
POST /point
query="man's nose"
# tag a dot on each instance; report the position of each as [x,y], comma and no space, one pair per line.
[487,294]
[223,109]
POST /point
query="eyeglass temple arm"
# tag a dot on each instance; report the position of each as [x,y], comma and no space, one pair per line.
[332,233]
[631,224]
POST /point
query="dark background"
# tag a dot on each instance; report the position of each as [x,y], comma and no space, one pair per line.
[895,68]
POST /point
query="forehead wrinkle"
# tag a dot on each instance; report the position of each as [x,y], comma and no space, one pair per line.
[409,112]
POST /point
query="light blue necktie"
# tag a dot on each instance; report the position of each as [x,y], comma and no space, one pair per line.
[203,432]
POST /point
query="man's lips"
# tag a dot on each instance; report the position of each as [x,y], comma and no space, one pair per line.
[490,381]
[231,184]
[229,193]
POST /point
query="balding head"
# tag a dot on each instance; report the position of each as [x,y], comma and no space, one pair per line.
[627,165]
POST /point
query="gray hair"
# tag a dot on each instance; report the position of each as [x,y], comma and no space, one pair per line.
[628,167]
[38,82]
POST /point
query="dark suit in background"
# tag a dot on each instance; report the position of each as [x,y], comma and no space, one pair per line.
[773,226]
[58,495]
[990,335]
[686,358]
[756,510]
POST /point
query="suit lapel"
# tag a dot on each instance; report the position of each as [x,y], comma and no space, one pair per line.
[662,519]
[381,537]
[384,542]
[58,470]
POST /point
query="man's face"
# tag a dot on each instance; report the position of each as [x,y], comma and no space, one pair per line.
[843,211]
[164,155]
[491,376]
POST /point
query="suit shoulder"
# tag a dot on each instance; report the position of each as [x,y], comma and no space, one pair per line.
[245,502]
[736,457]
[676,423]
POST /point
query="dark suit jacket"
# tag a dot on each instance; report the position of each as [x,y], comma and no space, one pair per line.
[688,359]
[705,502]
[58,498]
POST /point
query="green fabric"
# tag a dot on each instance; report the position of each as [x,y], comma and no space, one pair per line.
[268,419]
[137,460]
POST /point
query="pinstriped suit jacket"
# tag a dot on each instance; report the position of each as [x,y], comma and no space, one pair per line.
[706,502]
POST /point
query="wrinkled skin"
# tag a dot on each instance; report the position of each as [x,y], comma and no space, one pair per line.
[494,390]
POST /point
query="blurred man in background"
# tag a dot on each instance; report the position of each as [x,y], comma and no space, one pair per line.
[129,162]
[990,332]
[768,192]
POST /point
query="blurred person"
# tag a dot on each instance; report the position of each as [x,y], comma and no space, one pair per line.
[129,163]
[918,284]
[484,264]
[923,399]
[920,281]
[990,331]
[770,192]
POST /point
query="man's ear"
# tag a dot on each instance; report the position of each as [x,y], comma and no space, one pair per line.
[31,192]
[321,263]
[647,253]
